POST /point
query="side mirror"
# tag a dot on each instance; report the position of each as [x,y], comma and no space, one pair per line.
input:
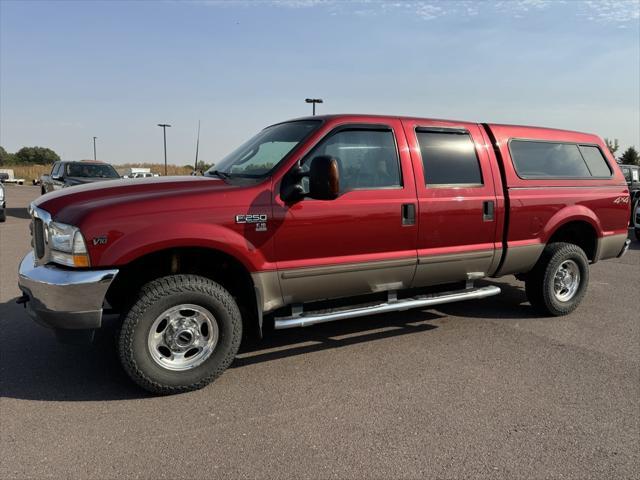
[56,177]
[324,178]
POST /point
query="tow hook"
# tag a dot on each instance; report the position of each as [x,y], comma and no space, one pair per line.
[23,300]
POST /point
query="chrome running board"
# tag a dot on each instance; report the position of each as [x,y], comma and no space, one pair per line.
[301,319]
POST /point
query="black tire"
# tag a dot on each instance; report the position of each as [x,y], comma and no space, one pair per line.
[3,216]
[154,299]
[42,191]
[539,285]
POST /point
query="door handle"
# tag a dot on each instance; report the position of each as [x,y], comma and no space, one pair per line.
[408,214]
[488,210]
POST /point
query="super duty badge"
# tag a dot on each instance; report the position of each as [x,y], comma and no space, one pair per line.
[260,220]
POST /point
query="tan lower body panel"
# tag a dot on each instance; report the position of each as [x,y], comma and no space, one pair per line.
[268,286]
[335,281]
[437,269]
[610,246]
[520,259]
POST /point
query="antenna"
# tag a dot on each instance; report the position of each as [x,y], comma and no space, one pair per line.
[195,166]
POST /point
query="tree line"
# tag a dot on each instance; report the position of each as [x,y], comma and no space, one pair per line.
[630,155]
[29,156]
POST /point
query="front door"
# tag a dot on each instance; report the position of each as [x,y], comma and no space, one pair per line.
[365,240]
[458,210]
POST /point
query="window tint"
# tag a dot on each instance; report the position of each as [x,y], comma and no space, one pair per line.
[533,159]
[260,154]
[56,168]
[367,159]
[597,164]
[91,170]
[449,158]
[635,174]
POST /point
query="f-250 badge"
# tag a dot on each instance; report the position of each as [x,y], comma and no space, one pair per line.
[260,221]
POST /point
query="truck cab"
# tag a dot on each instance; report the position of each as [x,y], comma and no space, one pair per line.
[321,219]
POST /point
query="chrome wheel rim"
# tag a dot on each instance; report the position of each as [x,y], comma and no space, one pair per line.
[566,280]
[183,337]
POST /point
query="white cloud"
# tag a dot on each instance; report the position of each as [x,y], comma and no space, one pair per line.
[614,11]
[603,11]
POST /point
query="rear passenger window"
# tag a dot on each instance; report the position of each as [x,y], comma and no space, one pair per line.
[449,158]
[596,162]
[536,159]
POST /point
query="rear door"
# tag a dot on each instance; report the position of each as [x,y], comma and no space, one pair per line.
[363,241]
[458,234]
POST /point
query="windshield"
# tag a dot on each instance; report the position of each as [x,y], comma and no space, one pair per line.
[257,157]
[91,170]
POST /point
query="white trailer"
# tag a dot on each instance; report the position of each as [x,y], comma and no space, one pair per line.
[10,177]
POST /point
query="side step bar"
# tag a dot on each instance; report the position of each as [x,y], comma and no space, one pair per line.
[306,319]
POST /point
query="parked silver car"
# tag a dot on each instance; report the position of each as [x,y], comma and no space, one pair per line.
[3,204]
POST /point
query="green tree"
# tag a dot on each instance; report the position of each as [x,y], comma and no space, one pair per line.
[630,157]
[4,156]
[203,167]
[613,146]
[36,155]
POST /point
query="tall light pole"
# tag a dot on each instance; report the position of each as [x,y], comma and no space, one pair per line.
[94,149]
[164,132]
[313,101]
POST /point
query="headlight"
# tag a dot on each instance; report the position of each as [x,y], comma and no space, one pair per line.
[67,245]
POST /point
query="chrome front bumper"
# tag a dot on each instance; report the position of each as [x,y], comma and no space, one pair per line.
[61,298]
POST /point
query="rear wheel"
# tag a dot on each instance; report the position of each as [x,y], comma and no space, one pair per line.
[180,335]
[559,280]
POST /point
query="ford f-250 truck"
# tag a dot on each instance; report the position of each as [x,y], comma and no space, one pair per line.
[322,219]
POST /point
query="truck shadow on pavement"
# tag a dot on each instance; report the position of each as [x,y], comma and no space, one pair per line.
[510,304]
[18,213]
[34,366]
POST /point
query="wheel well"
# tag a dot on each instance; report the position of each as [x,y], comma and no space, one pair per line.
[579,233]
[213,264]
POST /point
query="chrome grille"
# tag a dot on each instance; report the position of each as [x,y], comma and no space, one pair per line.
[38,237]
[40,220]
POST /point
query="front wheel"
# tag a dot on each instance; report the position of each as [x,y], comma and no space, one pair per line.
[181,334]
[559,280]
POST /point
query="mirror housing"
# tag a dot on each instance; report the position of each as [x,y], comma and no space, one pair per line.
[324,178]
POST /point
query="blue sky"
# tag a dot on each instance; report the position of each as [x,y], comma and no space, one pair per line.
[72,70]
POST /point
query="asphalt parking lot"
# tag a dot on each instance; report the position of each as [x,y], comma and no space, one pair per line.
[481,389]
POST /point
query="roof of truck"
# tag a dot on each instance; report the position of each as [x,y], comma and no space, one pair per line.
[428,119]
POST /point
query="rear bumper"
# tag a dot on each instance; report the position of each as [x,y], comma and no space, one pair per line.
[61,298]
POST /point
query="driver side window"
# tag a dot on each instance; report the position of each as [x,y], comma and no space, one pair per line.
[367,159]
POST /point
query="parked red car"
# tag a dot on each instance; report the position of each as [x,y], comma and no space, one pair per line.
[321,219]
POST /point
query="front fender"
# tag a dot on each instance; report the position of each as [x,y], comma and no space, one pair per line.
[120,248]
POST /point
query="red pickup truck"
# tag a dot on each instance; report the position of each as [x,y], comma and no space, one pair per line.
[321,219]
